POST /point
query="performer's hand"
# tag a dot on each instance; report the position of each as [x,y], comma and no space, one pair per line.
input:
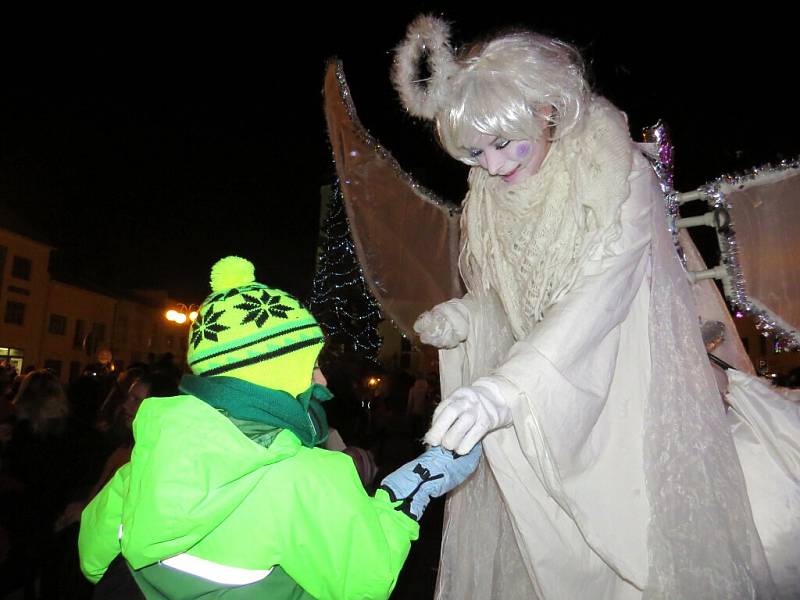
[432,474]
[444,326]
[467,415]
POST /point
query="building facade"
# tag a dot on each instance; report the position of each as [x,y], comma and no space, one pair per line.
[24,284]
[64,327]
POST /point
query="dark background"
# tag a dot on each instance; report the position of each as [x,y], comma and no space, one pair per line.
[145,146]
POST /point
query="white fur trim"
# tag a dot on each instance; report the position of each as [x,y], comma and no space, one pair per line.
[431,34]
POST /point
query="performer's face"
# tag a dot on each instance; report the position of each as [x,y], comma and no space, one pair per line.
[513,160]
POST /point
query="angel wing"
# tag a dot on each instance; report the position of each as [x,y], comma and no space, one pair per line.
[406,238]
[761,246]
[756,216]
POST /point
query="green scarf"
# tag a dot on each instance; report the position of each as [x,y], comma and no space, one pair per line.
[241,400]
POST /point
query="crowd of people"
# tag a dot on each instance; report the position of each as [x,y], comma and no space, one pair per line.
[59,446]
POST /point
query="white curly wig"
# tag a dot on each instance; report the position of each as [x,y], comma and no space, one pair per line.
[513,86]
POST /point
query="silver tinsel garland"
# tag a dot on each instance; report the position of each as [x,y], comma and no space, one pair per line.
[381,151]
[767,323]
[664,167]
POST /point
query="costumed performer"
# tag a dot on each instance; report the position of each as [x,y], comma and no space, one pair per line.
[575,355]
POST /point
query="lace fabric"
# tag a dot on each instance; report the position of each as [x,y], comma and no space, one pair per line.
[701,534]
[528,241]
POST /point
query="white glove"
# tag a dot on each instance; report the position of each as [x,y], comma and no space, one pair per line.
[444,326]
[467,415]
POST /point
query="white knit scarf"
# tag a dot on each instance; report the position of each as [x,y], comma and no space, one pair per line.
[528,241]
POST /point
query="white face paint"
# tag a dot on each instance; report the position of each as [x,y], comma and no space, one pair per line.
[513,160]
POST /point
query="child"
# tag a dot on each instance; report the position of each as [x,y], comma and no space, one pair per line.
[227,493]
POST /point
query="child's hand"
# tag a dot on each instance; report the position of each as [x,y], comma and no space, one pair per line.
[432,474]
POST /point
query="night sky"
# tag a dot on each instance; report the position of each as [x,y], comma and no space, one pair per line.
[148,147]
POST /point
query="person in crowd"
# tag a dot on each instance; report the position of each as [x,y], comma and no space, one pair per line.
[50,460]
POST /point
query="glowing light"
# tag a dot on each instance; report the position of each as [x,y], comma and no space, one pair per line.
[172,315]
[341,300]
[180,318]
[193,316]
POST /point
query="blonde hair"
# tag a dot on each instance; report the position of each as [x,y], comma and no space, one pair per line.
[513,87]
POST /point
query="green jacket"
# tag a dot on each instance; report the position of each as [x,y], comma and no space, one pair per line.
[198,485]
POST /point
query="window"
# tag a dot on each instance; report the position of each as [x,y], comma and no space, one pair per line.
[21,268]
[74,370]
[99,331]
[3,251]
[54,366]
[12,357]
[96,335]
[58,325]
[15,312]
[80,333]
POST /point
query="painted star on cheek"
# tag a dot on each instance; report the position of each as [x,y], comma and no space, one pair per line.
[523,150]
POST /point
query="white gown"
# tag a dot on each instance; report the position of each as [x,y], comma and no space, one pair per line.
[766,430]
[618,478]
[765,423]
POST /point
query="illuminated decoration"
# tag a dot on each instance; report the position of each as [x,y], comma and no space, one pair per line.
[182,315]
[341,302]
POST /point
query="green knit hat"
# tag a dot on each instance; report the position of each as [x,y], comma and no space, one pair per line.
[248,330]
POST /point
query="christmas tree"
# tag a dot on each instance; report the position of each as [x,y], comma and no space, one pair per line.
[341,300]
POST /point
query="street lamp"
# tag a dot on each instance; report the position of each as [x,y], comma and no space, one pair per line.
[182,314]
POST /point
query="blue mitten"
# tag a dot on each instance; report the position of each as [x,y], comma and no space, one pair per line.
[434,473]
